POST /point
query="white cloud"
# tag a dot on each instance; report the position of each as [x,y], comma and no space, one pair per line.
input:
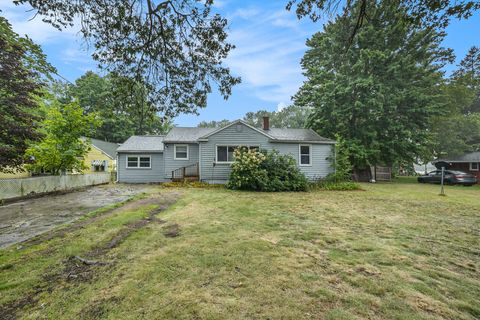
[24,22]
[282,105]
[269,46]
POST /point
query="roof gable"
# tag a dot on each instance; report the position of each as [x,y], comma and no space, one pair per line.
[234,123]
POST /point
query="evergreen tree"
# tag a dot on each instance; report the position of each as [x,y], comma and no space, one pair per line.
[380,94]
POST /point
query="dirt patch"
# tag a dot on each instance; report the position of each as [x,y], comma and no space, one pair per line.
[87,267]
[172,230]
[26,219]
[99,308]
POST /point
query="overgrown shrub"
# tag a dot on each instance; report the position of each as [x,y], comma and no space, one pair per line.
[265,171]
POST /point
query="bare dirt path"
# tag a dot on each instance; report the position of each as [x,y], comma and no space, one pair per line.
[23,220]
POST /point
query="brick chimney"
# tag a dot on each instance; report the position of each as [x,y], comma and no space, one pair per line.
[266,123]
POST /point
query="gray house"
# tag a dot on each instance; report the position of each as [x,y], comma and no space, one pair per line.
[206,154]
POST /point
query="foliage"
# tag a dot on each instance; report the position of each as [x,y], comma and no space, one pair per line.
[265,171]
[457,130]
[22,70]
[61,148]
[331,185]
[119,102]
[381,94]
[174,48]
[289,117]
[213,124]
[427,13]
[341,163]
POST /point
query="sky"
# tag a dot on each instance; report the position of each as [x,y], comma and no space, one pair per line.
[269,40]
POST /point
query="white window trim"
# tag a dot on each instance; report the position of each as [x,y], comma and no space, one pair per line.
[300,155]
[138,162]
[230,145]
[175,151]
[471,167]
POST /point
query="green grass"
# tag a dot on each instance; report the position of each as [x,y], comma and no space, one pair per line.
[392,251]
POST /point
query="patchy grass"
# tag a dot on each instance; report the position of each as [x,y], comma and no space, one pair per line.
[395,251]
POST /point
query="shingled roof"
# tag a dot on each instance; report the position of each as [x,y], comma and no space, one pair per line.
[192,135]
[297,135]
[185,134]
[467,157]
[142,144]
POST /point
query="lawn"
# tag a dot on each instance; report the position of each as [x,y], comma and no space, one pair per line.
[392,251]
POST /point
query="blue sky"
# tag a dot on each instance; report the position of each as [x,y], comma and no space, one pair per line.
[269,40]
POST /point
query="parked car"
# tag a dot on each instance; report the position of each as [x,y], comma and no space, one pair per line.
[451,177]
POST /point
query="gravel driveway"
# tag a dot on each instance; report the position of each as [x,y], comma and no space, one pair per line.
[25,219]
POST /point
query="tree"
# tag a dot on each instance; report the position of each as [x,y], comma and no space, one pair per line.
[425,13]
[118,103]
[290,117]
[61,148]
[175,48]
[213,124]
[457,130]
[468,75]
[22,68]
[382,93]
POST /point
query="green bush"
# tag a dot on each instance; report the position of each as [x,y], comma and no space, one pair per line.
[265,171]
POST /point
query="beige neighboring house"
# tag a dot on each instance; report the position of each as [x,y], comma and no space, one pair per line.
[101,157]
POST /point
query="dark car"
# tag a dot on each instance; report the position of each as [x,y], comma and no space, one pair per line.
[451,177]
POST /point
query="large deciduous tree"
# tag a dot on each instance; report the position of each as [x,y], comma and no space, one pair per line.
[22,66]
[121,103]
[426,13]
[175,48]
[381,93]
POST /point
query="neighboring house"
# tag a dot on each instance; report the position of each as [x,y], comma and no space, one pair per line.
[206,154]
[101,157]
[468,162]
[15,175]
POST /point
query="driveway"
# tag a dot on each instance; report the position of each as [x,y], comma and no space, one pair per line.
[20,221]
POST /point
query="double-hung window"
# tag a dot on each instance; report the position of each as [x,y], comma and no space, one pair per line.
[135,162]
[305,156]
[225,154]
[181,152]
[474,166]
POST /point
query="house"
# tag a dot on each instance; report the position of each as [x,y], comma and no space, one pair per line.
[206,154]
[468,162]
[101,157]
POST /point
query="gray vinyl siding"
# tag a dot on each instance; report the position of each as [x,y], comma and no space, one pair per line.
[172,164]
[321,164]
[154,174]
[229,136]
[219,173]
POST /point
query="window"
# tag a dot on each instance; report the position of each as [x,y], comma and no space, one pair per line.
[181,152]
[143,162]
[305,155]
[132,162]
[225,153]
[474,166]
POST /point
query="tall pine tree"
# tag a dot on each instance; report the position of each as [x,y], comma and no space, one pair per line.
[378,93]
